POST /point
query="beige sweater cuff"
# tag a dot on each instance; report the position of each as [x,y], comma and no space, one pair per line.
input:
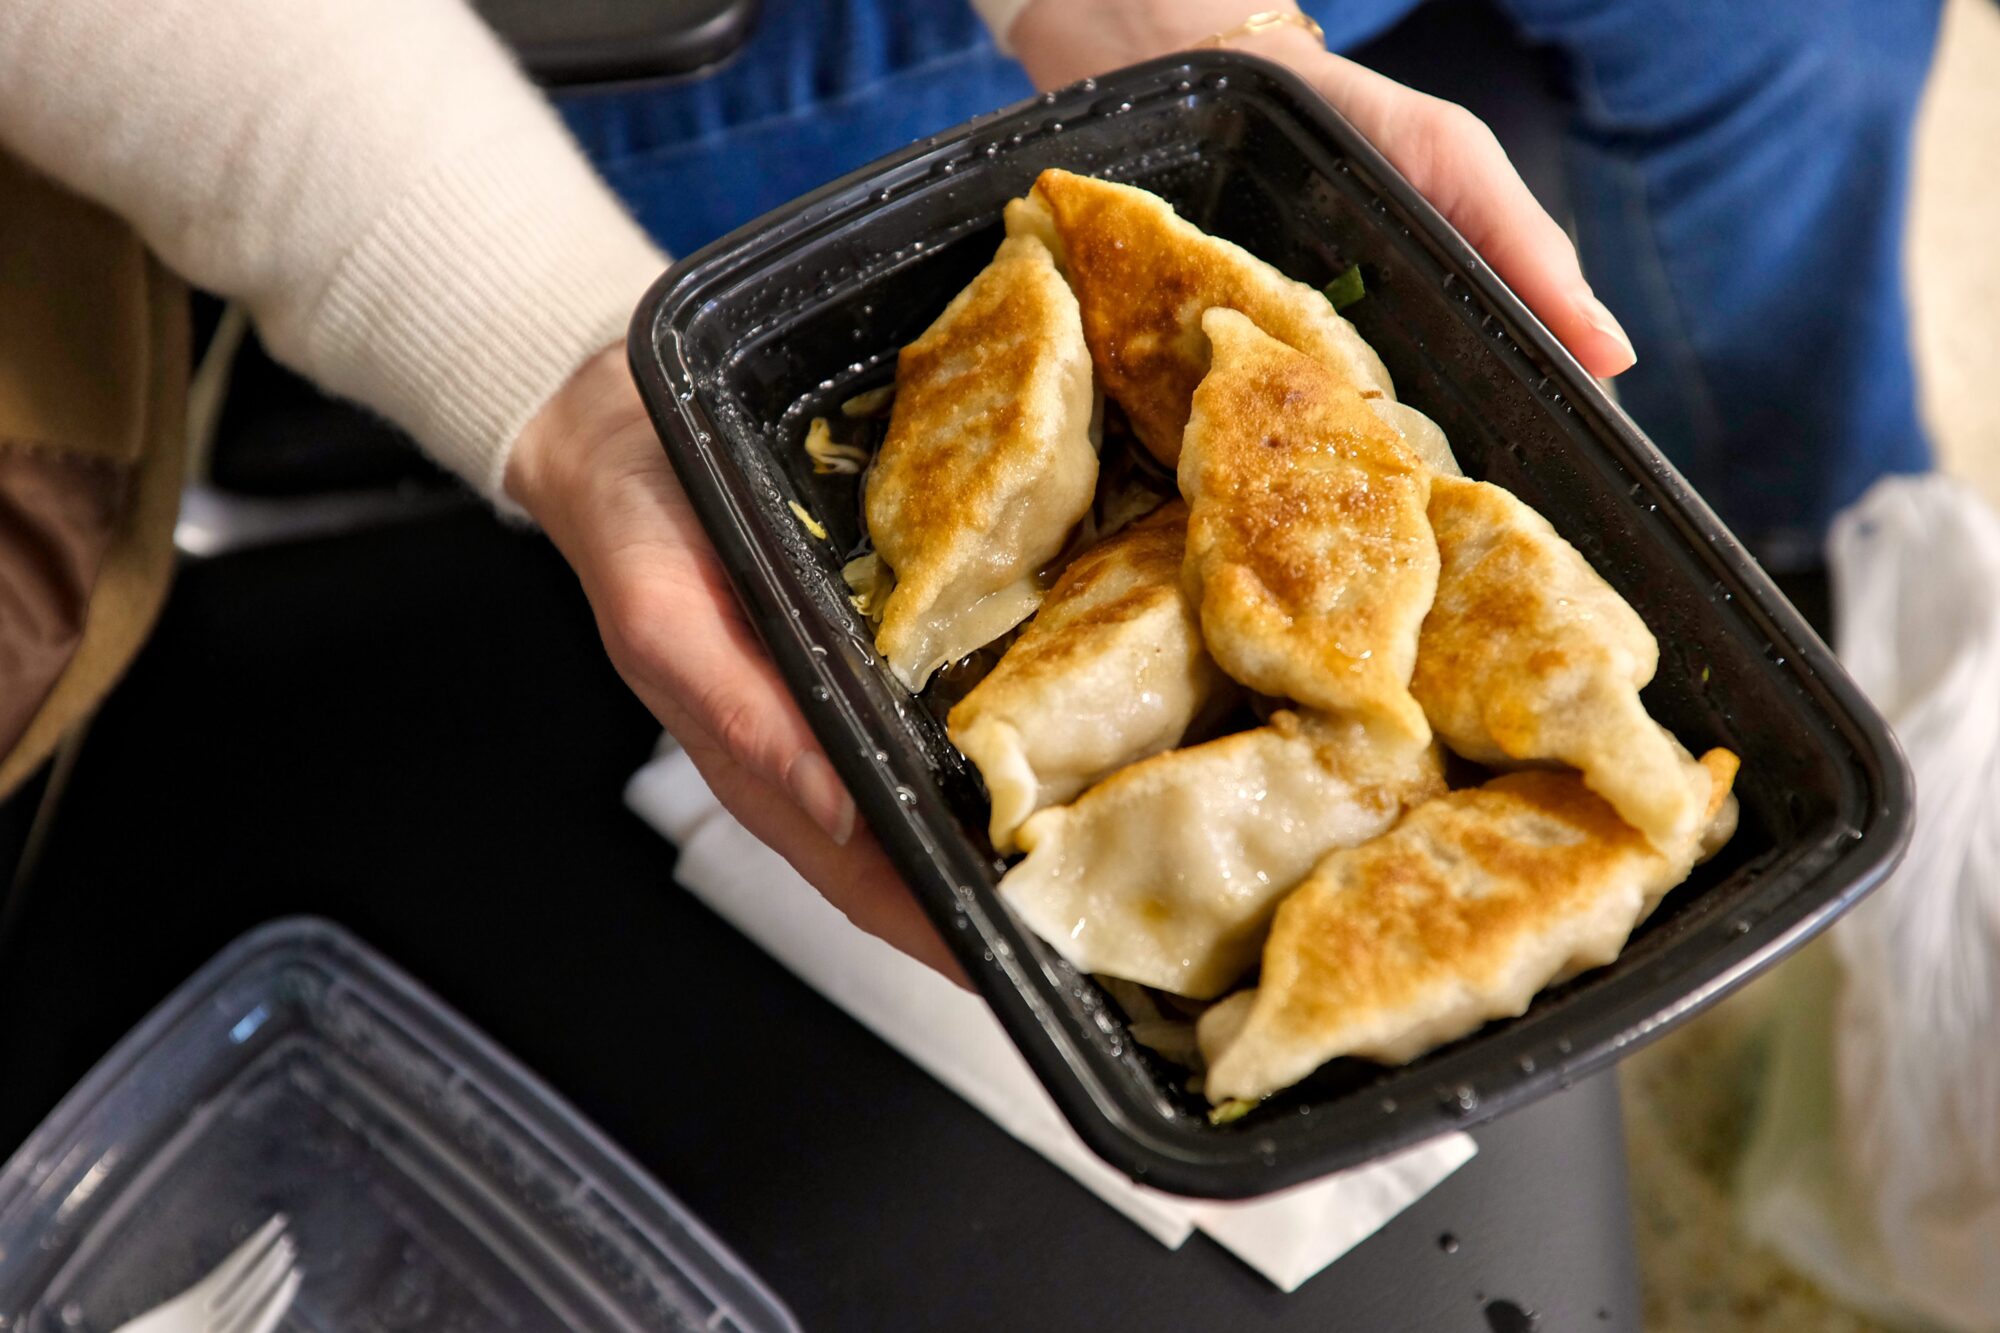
[477,294]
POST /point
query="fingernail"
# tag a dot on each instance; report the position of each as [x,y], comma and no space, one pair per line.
[819,791]
[1596,314]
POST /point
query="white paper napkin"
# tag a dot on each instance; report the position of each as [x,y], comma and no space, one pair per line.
[1287,1236]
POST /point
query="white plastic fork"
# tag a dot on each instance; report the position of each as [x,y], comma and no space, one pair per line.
[248,1292]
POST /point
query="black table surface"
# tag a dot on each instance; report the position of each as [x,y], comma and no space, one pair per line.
[413,731]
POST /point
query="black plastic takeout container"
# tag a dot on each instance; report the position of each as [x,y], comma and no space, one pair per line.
[739,345]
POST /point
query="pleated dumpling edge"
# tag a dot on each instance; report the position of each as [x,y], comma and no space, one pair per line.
[988,463]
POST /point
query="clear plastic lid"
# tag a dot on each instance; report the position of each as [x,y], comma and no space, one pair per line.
[431,1182]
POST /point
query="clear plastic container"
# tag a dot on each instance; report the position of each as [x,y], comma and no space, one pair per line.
[431,1182]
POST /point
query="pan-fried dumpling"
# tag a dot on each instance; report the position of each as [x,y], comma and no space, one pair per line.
[1458,915]
[1166,872]
[1421,434]
[1030,216]
[1308,549]
[987,465]
[1143,277]
[1110,670]
[1529,656]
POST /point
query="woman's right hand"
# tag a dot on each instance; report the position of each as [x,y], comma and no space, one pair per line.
[589,468]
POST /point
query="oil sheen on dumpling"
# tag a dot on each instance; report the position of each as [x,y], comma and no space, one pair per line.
[1529,656]
[987,465]
[1110,670]
[1458,915]
[1309,552]
[1166,873]
[1143,276]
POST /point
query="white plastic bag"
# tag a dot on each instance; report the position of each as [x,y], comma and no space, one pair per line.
[1874,1162]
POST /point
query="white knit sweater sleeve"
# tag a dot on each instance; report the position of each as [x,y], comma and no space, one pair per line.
[406,219]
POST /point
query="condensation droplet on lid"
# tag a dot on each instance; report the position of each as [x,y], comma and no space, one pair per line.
[1527,1063]
[1388,1105]
[1562,1044]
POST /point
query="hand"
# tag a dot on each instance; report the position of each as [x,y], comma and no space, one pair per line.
[590,470]
[1444,150]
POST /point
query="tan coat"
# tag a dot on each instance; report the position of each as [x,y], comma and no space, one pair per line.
[93,388]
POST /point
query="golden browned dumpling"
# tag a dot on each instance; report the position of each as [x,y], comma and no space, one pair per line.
[1110,670]
[1528,656]
[1166,872]
[1458,915]
[1144,276]
[988,462]
[1308,550]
